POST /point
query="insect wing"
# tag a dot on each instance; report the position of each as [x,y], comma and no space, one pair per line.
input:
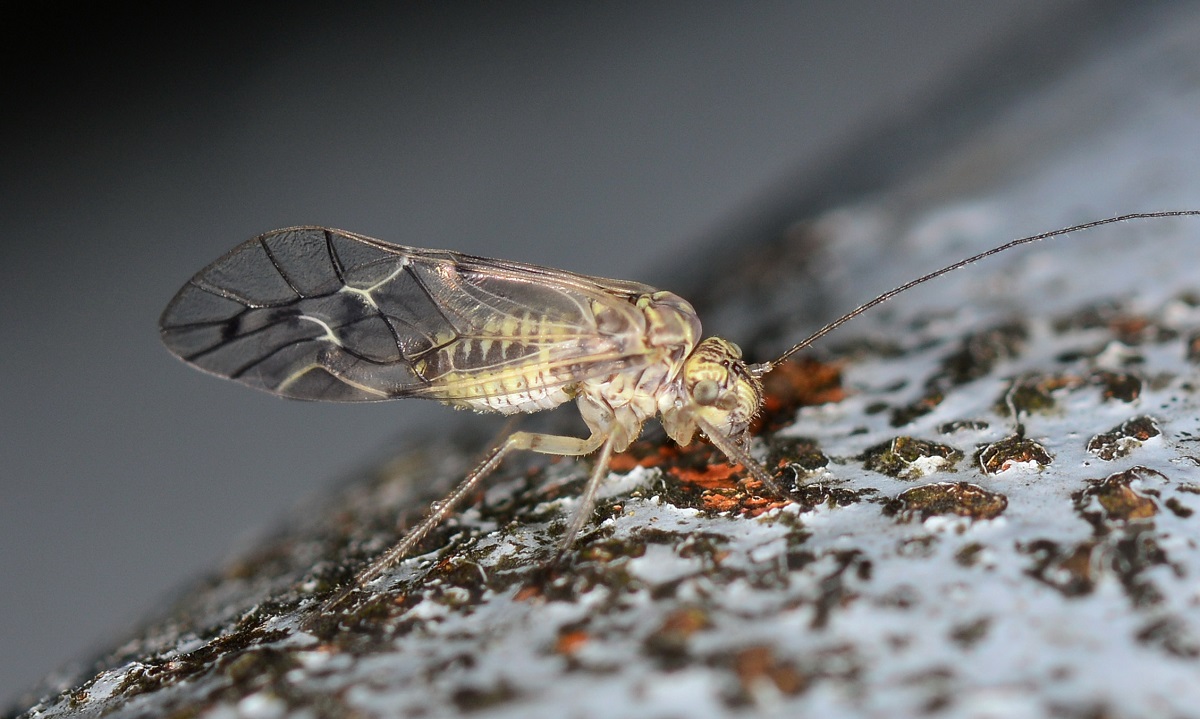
[314,313]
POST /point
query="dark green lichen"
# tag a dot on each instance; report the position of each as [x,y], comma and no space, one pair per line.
[969,554]
[469,699]
[1124,438]
[669,643]
[976,356]
[1114,499]
[759,667]
[1120,386]
[1178,509]
[1192,348]
[899,457]
[960,425]
[801,453]
[979,353]
[961,499]
[816,494]
[1171,635]
[1067,569]
[1128,554]
[919,408]
[968,634]
[999,456]
[1034,394]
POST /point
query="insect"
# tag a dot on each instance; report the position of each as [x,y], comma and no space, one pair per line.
[320,314]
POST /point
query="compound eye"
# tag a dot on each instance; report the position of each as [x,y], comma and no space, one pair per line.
[706,392]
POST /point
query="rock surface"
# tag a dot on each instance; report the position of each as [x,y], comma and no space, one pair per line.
[998,477]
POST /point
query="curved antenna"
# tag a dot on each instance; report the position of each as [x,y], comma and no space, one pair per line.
[765,367]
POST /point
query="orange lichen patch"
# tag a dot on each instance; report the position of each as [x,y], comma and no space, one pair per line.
[623,462]
[527,592]
[715,476]
[1129,325]
[795,384]
[570,642]
[645,453]
[747,505]
[701,477]
[1137,329]
[758,665]
[755,506]
[721,487]
[719,502]
[685,622]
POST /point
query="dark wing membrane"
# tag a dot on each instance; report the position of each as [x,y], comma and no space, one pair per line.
[315,313]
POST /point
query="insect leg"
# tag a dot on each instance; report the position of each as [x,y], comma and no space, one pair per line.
[587,500]
[439,511]
[736,454]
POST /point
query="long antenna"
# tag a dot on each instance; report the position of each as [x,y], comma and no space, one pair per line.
[768,366]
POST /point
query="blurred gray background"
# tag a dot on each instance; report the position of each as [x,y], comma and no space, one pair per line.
[613,140]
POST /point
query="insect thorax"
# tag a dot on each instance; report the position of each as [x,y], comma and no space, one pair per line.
[619,403]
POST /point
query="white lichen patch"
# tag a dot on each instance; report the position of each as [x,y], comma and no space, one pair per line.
[925,466]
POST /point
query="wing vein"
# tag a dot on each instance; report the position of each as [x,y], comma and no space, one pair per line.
[262,242]
[226,340]
[224,293]
[421,284]
[334,259]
